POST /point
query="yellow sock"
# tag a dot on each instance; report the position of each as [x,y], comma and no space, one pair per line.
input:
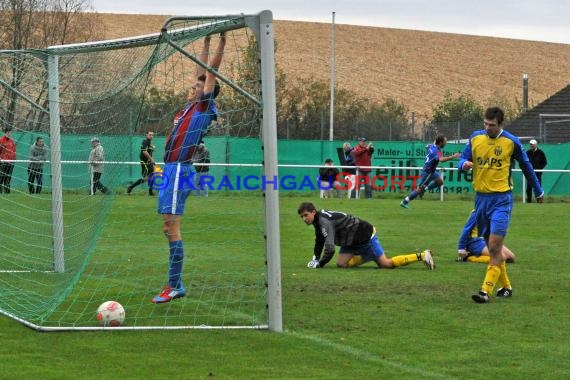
[491,277]
[402,260]
[479,259]
[504,281]
[355,261]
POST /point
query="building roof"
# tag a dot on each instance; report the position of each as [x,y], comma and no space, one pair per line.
[548,122]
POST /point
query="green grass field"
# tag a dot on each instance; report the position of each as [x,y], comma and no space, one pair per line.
[363,323]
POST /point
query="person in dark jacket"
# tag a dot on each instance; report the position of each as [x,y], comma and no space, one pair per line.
[538,161]
[146,161]
[328,179]
[37,157]
[346,157]
[357,239]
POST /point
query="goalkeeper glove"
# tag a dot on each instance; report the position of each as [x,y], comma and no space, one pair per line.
[313,264]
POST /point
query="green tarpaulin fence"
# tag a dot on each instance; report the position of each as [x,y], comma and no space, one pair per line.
[244,151]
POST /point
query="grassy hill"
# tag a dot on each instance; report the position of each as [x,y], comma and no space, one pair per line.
[415,67]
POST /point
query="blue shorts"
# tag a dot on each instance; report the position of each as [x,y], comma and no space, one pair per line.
[476,246]
[369,251]
[493,213]
[428,177]
[177,183]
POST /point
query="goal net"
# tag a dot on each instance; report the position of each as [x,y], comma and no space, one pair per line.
[68,243]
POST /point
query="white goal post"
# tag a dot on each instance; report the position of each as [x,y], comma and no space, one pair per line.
[261,25]
[544,119]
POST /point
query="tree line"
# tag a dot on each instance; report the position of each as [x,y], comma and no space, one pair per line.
[303,111]
[303,106]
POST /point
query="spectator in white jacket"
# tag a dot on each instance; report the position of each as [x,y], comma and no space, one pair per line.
[96,159]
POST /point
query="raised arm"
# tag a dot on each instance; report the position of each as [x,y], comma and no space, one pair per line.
[203,57]
[215,61]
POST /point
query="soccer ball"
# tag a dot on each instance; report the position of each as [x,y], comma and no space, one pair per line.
[111,314]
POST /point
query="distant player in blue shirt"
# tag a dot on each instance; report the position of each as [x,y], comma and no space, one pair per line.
[491,153]
[190,126]
[431,178]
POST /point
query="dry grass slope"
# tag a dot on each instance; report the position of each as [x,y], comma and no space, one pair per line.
[415,67]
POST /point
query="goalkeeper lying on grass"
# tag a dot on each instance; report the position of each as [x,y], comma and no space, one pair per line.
[357,240]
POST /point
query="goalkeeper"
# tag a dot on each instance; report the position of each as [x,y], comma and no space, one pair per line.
[357,240]
[472,246]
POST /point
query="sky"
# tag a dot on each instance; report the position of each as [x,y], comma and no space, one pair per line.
[546,20]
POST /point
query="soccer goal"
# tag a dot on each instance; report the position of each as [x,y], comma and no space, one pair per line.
[553,126]
[67,247]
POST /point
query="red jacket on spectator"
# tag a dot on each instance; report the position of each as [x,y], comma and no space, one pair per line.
[362,155]
[7,148]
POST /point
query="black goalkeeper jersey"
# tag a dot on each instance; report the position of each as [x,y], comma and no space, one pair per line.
[338,228]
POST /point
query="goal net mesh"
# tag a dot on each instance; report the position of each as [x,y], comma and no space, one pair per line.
[113,246]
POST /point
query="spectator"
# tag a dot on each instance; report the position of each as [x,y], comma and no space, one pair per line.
[202,158]
[96,159]
[538,161]
[37,157]
[346,157]
[328,179]
[362,159]
[7,153]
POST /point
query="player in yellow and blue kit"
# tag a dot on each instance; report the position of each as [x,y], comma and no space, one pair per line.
[491,153]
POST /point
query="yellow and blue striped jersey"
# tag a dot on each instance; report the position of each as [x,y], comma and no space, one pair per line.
[493,160]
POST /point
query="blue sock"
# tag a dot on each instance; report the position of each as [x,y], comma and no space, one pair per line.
[413,195]
[175,262]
